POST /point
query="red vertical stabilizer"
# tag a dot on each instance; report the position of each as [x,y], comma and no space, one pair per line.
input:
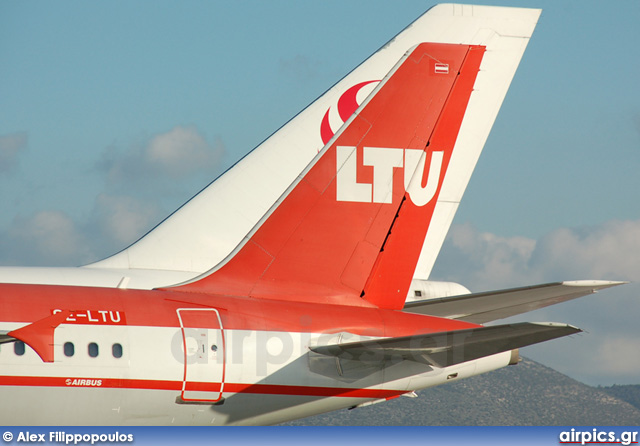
[350,229]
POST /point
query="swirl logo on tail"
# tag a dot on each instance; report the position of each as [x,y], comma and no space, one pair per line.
[347,105]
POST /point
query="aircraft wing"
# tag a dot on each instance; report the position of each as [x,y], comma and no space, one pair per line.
[449,348]
[480,308]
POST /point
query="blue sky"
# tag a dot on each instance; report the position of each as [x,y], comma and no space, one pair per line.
[88,89]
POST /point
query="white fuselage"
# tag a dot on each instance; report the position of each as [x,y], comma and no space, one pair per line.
[107,372]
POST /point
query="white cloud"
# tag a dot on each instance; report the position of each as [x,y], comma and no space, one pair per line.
[177,154]
[138,194]
[181,152]
[10,146]
[52,238]
[121,220]
[607,352]
[610,250]
[618,356]
[482,261]
[46,238]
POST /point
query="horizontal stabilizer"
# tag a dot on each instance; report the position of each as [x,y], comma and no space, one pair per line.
[480,308]
[449,348]
[5,338]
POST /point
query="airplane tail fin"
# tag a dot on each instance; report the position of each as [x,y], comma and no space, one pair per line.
[205,232]
[372,208]
[350,229]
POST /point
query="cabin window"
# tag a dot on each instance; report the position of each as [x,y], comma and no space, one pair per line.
[417,293]
[18,348]
[116,349]
[69,349]
[93,349]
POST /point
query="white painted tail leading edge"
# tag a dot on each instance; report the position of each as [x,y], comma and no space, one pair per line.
[204,231]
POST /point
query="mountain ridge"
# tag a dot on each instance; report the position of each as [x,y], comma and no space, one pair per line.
[526,394]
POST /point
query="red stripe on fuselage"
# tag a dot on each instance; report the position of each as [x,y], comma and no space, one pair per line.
[229,388]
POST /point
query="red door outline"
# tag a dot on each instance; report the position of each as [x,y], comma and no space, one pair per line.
[204,350]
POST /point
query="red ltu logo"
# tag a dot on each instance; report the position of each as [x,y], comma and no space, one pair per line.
[347,105]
